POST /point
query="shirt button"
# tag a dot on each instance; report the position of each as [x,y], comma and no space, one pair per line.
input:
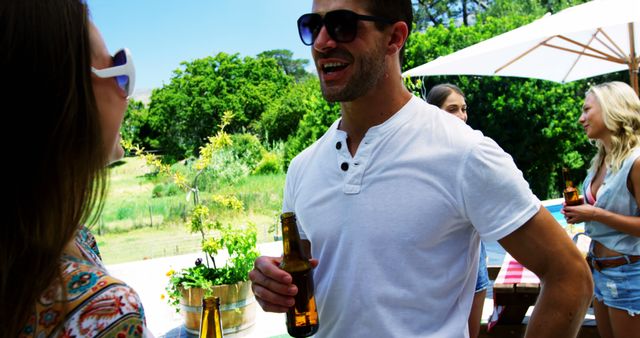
[344,166]
[338,145]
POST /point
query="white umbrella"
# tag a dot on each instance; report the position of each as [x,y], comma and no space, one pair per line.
[595,38]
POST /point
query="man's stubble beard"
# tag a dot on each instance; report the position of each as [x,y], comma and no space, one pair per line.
[370,71]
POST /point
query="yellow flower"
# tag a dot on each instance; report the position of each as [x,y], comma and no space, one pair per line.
[162,296]
[170,273]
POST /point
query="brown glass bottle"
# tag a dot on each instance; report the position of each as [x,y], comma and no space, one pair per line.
[570,193]
[302,318]
[210,322]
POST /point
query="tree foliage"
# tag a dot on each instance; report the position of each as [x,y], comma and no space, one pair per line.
[185,112]
[135,127]
[283,115]
[467,12]
[438,12]
[284,58]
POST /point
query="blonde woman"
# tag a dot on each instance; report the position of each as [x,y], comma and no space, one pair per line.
[611,117]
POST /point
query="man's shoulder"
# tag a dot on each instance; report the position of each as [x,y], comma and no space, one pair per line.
[441,124]
[308,152]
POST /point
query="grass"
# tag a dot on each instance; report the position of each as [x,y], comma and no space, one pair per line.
[135,226]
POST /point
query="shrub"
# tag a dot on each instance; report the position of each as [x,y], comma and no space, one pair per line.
[125,212]
[158,191]
[270,164]
[246,148]
[172,189]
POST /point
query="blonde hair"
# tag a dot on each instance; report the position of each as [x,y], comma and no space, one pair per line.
[620,108]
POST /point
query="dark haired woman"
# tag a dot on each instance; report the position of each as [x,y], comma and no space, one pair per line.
[67,97]
[450,98]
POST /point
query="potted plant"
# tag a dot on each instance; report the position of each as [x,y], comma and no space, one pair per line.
[228,281]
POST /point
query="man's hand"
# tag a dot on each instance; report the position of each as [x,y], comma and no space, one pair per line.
[272,286]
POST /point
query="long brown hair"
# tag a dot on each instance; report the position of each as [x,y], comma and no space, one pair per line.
[439,93]
[54,156]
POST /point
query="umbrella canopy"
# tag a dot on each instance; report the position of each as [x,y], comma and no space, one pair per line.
[594,38]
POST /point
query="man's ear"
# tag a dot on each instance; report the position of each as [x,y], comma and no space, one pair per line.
[399,34]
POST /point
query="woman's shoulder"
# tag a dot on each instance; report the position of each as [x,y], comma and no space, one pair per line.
[93,303]
[85,238]
[631,163]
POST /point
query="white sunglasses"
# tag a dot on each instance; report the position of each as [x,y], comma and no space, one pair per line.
[122,69]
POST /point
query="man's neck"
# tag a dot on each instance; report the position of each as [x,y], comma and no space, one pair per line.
[372,109]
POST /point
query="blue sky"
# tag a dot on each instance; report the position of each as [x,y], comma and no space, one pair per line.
[163,33]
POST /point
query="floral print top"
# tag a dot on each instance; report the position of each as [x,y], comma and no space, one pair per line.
[93,304]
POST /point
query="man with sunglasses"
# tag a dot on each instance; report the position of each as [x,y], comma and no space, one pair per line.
[393,199]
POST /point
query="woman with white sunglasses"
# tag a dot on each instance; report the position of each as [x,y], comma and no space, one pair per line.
[65,97]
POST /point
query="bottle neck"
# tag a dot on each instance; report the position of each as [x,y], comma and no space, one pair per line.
[292,248]
[565,175]
[211,325]
[217,319]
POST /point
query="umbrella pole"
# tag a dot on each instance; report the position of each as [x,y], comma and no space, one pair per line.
[633,60]
[633,78]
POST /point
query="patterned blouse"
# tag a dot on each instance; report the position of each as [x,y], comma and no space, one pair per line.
[97,305]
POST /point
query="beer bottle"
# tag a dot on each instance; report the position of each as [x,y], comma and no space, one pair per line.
[571,193]
[302,317]
[210,322]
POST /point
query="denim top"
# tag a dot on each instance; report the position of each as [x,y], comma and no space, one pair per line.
[614,196]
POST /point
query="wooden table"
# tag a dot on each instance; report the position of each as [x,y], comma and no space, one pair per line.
[516,288]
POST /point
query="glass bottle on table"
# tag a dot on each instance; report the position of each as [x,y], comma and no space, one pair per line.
[570,193]
[302,317]
[210,322]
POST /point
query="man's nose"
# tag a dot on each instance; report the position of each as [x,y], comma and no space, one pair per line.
[324,41]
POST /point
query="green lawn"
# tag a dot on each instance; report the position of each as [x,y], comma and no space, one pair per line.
[134,225]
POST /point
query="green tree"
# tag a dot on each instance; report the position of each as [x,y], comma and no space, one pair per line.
[437,12]
[536,8]
[136,128]
[466,12]
[183,113]
[283,115]
[292,67]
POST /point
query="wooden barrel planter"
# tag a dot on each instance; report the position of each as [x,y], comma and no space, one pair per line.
[237,307]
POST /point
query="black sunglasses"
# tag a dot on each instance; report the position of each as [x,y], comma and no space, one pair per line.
[342,25]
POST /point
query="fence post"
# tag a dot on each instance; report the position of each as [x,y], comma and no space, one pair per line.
[150,217]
